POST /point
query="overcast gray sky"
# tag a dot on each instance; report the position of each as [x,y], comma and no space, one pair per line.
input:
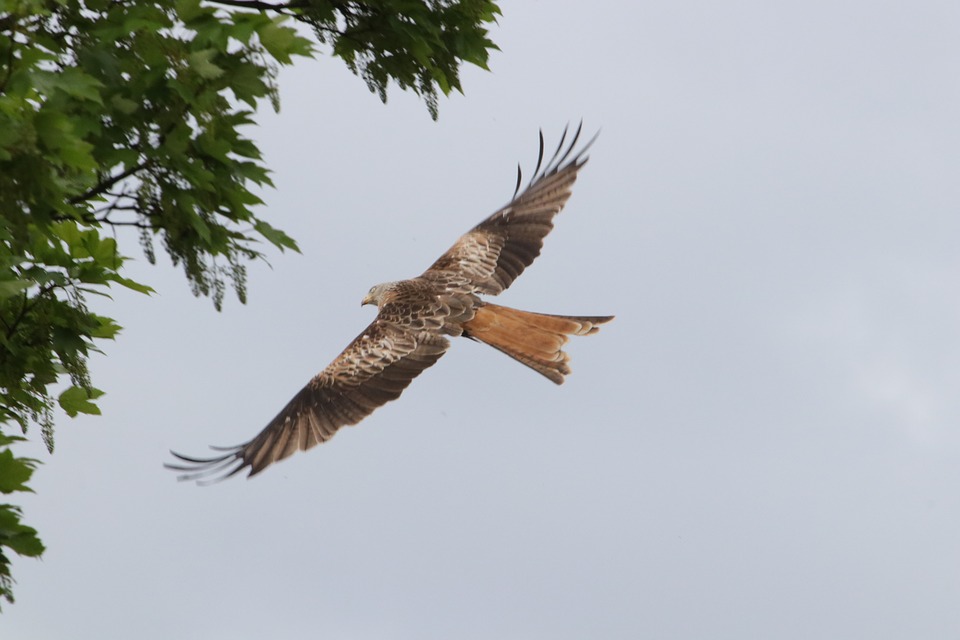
[764,444]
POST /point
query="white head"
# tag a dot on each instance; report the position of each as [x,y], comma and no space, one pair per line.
[377,293]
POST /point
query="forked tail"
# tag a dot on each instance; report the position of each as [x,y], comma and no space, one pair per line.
[535,339]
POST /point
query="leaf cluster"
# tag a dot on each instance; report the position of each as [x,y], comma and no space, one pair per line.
[118,115]
[418,44]
[14,535]
[122,114]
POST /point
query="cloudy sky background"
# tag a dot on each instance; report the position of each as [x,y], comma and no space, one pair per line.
[764,444]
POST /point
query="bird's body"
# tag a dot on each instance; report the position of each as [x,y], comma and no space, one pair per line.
[415,318]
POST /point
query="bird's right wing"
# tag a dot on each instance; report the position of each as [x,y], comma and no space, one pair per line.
[374,369]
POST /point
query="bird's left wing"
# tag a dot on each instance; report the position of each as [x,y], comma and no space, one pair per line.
[495,252]
[374,369]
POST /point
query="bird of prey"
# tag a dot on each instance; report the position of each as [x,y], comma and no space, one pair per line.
[415,318]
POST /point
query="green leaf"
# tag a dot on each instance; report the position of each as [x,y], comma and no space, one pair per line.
[15,472]
[6,440]
[283,42]
[18,537]
[71,81]
[246,23]
[103,251]
[132,284]
[189,10]
[10,288]
[124,105]
[247,83]
[57,133]
[78,84]
[200,62]
[78,400]
[107,328]
[277,237]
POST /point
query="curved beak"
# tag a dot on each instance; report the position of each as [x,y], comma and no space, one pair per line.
[367,299]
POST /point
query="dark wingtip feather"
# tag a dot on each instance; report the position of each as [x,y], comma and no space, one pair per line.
[559,160]
[533,176]
[580,158]
[561,157]
[203,470]
[553,164]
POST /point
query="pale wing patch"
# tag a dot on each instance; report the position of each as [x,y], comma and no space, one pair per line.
[375,349]
[475,255]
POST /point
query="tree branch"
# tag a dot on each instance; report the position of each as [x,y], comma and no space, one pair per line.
[261,6]
[103,187]
[27,305]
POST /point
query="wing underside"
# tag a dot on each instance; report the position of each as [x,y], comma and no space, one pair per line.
[496,251]
[373,370]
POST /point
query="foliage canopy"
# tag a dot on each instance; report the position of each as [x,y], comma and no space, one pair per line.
[121,113]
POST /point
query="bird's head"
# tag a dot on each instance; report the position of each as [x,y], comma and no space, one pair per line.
[376,294]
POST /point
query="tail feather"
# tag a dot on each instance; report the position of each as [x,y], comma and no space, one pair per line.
[535,339]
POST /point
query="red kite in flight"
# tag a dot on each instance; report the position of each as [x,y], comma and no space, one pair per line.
[415,317]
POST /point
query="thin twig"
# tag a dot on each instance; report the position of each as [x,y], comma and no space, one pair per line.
[103,187]
[261,6]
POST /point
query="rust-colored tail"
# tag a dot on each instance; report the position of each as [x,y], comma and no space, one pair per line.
[535,339]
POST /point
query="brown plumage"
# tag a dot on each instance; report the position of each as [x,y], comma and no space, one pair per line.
[415,317]
[535,339]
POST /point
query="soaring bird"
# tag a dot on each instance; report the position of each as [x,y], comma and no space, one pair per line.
[415,318]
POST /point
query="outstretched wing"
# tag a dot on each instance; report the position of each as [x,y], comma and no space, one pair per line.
[496,251]
[376,368]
